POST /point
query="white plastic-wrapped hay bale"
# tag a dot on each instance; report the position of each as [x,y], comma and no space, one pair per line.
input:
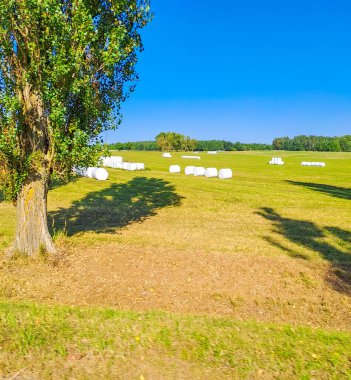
[167,155]
[199,171]
[192,157]
[100,174]
[80,171]
[125,165]
[321,164]
[132,166]
[276,161]
[174,169]
[211,172]
[111,161]
[189,170]
[212,152]
[89,172]
[140,166]
[225,173]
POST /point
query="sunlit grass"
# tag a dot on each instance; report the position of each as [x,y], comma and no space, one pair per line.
[62,342]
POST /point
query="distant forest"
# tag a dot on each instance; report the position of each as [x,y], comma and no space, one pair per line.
[297,143]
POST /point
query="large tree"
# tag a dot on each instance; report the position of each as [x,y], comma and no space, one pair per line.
[65,67]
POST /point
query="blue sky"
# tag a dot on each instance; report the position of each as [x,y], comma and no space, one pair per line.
[242,71]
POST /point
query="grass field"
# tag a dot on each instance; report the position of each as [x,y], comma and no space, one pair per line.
[166,276]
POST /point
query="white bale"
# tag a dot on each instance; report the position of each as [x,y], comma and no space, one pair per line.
[212,152]
[89,172]
[100,174]
[132,166]
[167,155]
[192,157]
[140,166]
[125,165]
[111,161]
[276,161]
[211,172]
[322,164]
[80,171]
[174,169]
[92,172]
[119,165]
[189,170]
[225,174]
[199,170]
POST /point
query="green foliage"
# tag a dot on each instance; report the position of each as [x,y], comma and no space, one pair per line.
[313,143]
[222,145]
[65,68]
[169,141]
[138,145]
[188,144]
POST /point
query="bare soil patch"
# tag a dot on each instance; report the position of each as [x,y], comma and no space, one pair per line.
[271,289]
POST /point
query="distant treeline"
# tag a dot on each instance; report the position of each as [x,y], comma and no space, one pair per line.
[139,145]
[205,145]
[313,143]
[174,141]
[200,145]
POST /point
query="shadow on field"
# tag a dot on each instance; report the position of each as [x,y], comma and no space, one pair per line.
[334,191]
[115,207]
[308,235]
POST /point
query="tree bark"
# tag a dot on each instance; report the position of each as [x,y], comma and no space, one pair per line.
[32,234]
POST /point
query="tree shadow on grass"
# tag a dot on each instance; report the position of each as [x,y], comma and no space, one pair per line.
[115,207]
[308,235]
[334,191]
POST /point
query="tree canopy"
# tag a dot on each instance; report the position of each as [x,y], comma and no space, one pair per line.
[168,141]
[313,143]
[65,68]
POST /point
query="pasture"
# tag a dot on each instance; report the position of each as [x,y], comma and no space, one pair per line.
[163,275]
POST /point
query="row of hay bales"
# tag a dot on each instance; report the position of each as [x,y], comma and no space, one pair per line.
[304,163]
[279,161]
[198,171]
[116,162]
[100,174]
[192,157]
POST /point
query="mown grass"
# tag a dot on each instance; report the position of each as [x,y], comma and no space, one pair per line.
[226,216]
[66,342]
[301,213]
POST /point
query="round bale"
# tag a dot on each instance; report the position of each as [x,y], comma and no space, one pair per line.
[225,174]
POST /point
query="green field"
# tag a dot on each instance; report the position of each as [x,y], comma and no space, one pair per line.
[164,276]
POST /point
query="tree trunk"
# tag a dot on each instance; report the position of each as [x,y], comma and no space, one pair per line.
[32,234]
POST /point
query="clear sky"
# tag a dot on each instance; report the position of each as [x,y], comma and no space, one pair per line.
[247,70]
